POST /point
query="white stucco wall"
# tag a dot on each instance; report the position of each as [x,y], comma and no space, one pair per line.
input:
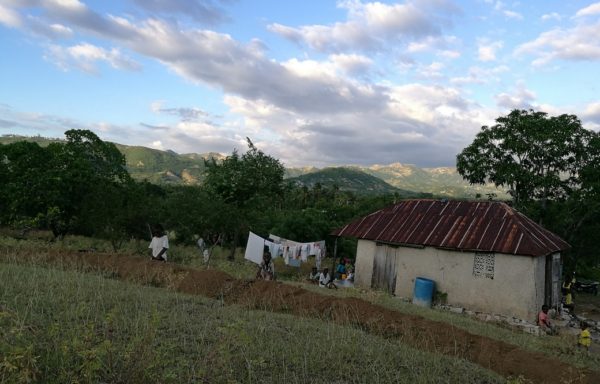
[517,288]
[365,254]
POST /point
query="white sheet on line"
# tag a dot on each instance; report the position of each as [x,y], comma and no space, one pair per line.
[254,248]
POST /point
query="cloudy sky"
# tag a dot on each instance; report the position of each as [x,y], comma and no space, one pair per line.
[313,82]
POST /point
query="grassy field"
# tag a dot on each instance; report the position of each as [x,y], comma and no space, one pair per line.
[68,327]
[65,326]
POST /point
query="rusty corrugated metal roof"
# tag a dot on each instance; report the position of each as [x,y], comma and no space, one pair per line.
[484,226]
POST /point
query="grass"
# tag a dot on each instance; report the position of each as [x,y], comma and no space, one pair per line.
[67,327]
[561,347]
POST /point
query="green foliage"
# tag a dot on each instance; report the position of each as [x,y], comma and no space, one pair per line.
[245,180]
[535,156]
[347,179]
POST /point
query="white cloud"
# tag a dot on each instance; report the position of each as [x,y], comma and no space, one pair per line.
[371,25]
[572,44]
[590,10]
[513,15]
[551,16]
[479,75]
[487,50]
[592,112]
[9,17]
[352,64]
[54,31]
[85,57]
[203,11]
[521,98]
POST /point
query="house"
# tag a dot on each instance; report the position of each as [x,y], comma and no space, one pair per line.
[484,255]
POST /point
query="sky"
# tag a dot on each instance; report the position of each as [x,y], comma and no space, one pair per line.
[312,83]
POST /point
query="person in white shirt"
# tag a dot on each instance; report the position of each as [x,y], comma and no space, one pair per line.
[325,279]
[159,244]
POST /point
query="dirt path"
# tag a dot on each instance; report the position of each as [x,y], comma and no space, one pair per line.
[506,359]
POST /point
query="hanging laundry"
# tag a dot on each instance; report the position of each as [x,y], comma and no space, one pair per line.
[254,248]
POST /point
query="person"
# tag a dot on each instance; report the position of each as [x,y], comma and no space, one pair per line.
[340,269]
[544,322]
[567,292]
[350,275]
[159,243]
[201,244]
[313,276]
[266,270]
[325,279]
[206,255]
[585,338]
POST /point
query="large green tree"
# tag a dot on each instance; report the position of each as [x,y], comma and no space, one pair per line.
[26,187]
[250,183]
[531,154]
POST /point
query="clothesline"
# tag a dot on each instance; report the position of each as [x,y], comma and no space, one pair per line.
[292,252]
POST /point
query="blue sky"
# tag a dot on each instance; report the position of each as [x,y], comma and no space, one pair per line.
[312,83]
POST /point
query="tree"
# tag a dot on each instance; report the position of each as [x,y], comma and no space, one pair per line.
[531,154]
[80,166]
[251,182]
[26,188]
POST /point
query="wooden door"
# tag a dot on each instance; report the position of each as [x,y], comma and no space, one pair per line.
[552,283]
[384,269]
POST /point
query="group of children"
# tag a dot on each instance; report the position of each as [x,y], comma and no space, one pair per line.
[343,271]
[584,339]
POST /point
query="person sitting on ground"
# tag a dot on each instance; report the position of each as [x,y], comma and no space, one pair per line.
[350,275]
[159,243]
[266,270]
[313,276]
[340,269]
[585,338]
[325,279]
[544,322]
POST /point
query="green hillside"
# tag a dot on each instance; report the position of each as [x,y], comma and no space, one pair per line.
[168,167]
[348,179]
[153,165]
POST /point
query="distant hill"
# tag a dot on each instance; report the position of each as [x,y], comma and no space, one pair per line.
[168,167]
[165,167]
[153,165]
[348,179]
[444,181]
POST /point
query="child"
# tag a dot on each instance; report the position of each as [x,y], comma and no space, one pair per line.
[159,244]
[266,270]
[325,280]
[585,339]
[544,322]
[313,277]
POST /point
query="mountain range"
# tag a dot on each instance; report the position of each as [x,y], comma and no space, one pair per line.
[168,167]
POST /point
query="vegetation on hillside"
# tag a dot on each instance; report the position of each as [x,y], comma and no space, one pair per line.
[83,186]
[65,327]
[348,179]
[170,168]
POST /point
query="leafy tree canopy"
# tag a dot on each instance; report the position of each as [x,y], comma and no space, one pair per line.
[533,155]
[243,180]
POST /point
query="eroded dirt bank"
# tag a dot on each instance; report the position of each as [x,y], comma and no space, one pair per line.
[506,359]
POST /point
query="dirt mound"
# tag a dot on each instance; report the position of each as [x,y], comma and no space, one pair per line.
[506,359]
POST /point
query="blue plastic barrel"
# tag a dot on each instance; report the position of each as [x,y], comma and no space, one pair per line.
[423,293]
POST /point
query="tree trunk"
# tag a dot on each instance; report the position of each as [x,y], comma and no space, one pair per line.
[234,243]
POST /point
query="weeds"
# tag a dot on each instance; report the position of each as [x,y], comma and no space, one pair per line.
[60,326]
